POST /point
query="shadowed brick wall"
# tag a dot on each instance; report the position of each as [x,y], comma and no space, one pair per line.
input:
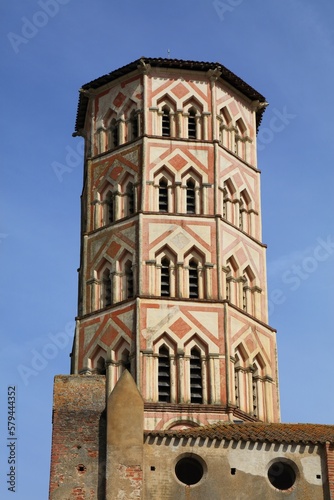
[78,438]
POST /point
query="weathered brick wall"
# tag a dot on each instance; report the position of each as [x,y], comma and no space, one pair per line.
[78,438]
[330,468]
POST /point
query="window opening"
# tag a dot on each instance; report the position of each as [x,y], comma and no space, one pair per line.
[107,289]
[255,392]
[129,280]
[165,122]
[165,278]
[164,375]
[189,471]
[193,280]
[134,125]
[101,366]
[191,204]
[113,134]
[163,196]
[236,380]
[125,361]
[109,208]
[130,195]
[281,475]
[196,395]
[192,124]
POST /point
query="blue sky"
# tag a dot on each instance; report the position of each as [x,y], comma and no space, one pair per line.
[49,48]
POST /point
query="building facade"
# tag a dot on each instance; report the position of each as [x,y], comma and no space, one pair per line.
[172,290]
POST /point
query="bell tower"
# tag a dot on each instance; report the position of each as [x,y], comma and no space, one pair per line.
[172,278]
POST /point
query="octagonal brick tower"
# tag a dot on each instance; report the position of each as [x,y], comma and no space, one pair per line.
[172,280]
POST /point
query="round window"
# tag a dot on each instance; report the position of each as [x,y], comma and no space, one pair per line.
[189,471]
[281,475]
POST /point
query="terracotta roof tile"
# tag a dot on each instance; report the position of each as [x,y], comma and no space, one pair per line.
[286,433]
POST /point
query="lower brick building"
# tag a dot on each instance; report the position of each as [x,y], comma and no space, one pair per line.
[173,389]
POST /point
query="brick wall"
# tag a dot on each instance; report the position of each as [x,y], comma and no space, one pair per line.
[330,468]
[78,438]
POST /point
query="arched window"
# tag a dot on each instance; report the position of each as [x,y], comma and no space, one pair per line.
[255,376]
[128,280]
[100,140]
[226,128]
[125,361]
[165,278]
[196,389]
[191,201]
[193,280]
[109,208]
[192,134]
[240,138]
[164,375]
[130,198]
[134,125]
[113,134]
[165,121]
[163,195]
[236,380]
[101,366]
[106,289]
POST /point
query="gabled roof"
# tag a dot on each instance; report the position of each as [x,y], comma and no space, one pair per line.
[256,432]
[226,75]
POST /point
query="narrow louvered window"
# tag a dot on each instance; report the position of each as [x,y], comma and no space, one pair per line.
[196,390]
[255,392]
[113,136]
[165,122]
[109,208]
[129,280]
[134,125]
[192,124]
[164,375]
[106,289]
[130,196]
[165,278]
[191,204]
[193,280]
[163,196]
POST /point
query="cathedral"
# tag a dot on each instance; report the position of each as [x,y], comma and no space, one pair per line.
[173,391]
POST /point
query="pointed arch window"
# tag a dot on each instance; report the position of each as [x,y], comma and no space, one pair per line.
[101,366]
[109,208]
[255,377]
[106,288]
[125,360]
[192,124]
[134,124]
[193,280]
[164,375]
[191,200]
[113,134]
[163,195]
[130,198]
[165,121]
[129,280]
[100,140]
[196,386]
[165,277]
[236,380]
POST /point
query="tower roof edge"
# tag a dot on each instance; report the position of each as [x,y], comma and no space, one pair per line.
[181,64]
